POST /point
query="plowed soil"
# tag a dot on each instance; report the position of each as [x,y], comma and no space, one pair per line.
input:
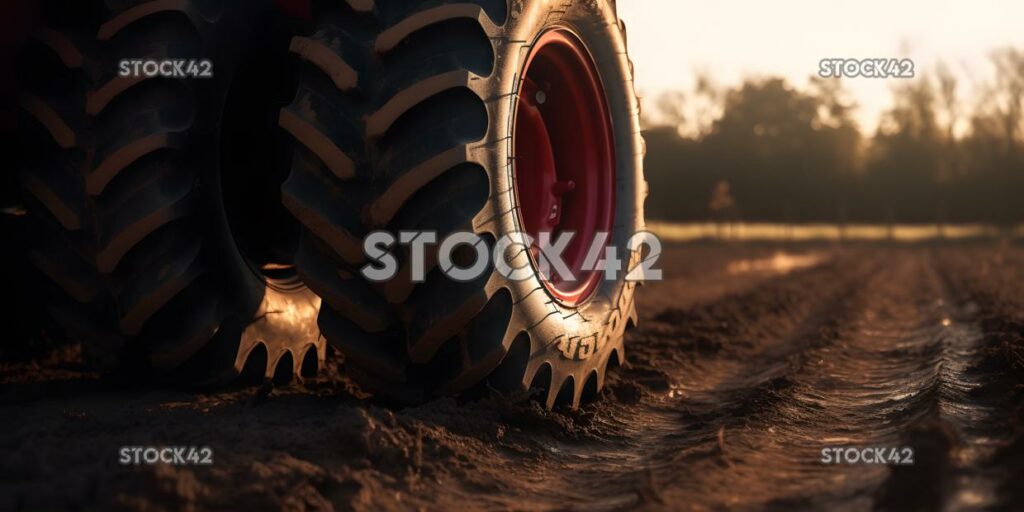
[748,361]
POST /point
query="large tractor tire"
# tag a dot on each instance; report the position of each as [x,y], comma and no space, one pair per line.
[134,183]
[466,115]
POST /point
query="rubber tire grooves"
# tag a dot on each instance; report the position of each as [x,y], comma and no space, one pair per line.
[124,230]
[395,126]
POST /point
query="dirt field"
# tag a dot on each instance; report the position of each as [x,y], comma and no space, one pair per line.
[748,361]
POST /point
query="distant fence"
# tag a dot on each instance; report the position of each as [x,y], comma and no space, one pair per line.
[755,231]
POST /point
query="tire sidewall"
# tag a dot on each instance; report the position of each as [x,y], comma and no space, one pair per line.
[574,341]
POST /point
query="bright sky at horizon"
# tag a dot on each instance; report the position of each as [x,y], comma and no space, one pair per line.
[670,40]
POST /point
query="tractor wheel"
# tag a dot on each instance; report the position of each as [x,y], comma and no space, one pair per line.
[136,184]
[484,116]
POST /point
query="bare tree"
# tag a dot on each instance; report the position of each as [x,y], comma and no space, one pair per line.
[949,110]
[1008,94]
[671,108]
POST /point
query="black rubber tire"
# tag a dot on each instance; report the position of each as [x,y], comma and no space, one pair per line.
[22,314]
[403,119]
[130,219]
[24,337]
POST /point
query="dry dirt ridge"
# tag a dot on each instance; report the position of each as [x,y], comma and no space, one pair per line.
[747,362]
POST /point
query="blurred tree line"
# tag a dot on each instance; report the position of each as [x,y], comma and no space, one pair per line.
[767,151]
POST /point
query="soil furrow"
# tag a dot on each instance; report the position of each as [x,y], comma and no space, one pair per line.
[729,395]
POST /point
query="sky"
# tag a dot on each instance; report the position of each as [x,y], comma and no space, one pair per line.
[669,40]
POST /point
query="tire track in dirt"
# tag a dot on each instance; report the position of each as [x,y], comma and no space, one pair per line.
[868,375]
[612,453]
[989,400]
[352,452]
[725,402]
[688,369]
[892,361]
[896,366]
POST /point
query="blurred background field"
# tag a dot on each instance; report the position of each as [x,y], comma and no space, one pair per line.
[744,141]
[778,232]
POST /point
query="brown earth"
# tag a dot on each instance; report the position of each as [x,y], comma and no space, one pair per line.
[748,361]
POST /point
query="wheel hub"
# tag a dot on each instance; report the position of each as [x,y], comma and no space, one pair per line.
[564,155]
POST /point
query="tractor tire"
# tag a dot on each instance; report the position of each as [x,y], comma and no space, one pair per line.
[405,119]
[125,188]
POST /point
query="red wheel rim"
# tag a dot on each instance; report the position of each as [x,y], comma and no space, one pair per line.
[564,155]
